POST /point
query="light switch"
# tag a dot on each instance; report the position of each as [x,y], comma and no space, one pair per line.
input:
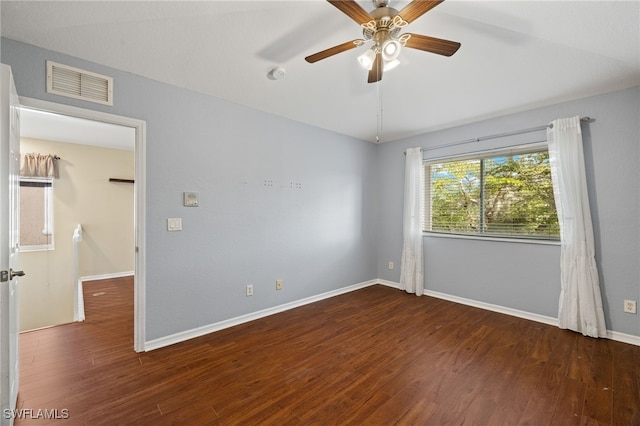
[174,224]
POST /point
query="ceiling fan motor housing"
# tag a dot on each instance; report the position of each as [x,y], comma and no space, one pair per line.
[383,15]
[384,27]
[380,3]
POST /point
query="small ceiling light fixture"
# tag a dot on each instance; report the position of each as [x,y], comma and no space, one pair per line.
[366,59]
[390,50]
[276,73]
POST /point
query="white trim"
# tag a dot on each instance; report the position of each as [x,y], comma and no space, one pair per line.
[539,241]
[78,308]
[107,276]
[206,329]
[89,114]
[139,321]
[495,308]
[78,295]
[613,335]
[623,337]
[140,214]
[392,284]
[482,305]
[27,249]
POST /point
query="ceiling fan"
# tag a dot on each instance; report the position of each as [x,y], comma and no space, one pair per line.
[382,27]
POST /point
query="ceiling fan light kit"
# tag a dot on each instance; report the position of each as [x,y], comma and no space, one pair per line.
[390,50]
[382,27]
[366,59]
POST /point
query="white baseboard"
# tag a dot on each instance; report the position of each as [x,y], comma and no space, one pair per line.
[390,284]
[623,337]
[495,308]
[613,335]
[107,276]
[210,328]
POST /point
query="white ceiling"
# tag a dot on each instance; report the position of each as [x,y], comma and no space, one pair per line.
[515,55]
[61,128]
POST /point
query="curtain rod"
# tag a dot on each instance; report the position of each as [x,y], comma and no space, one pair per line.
[498,135]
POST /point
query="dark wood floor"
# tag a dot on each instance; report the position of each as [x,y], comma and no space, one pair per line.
[376,356]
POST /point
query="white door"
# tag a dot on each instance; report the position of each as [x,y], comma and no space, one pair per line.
[9,243]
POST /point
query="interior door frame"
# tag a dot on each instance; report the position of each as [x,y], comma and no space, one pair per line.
[139,197]
[9,250]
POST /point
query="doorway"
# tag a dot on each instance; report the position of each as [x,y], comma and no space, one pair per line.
[136,129]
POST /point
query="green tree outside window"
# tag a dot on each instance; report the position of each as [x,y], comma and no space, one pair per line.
[505,195]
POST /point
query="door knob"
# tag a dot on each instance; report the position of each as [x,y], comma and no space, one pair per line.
[13,274]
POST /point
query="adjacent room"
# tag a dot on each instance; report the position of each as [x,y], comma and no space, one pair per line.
[331,212]
[89,212]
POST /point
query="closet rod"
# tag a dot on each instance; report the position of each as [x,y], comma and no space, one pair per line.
[498,135]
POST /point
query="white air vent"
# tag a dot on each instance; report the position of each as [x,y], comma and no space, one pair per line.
[79,84]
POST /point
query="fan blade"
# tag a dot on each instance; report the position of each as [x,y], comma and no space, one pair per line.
[333,50]
[352,10]
[375,74]
[432,44]
[417,8]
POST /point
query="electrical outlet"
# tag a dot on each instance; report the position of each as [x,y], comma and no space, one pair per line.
[390,265]
[278,284]
[630,306]
[249,290]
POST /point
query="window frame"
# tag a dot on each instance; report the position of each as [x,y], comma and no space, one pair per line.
[48,225]
[512,150]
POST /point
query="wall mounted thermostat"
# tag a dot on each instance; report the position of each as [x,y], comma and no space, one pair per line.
[191,199]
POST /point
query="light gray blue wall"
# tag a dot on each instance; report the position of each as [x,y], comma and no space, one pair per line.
[526,276]
[345,224]
[316,238]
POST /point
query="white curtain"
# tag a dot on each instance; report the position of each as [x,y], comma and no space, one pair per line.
[580,307]
[412,265]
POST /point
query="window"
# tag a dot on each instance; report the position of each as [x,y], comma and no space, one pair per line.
[36,214]
[500,195]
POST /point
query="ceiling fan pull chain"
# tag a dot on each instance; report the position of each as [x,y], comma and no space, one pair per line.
[379,114]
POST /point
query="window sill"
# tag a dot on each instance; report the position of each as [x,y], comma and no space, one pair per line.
[495,239]
[27,249]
